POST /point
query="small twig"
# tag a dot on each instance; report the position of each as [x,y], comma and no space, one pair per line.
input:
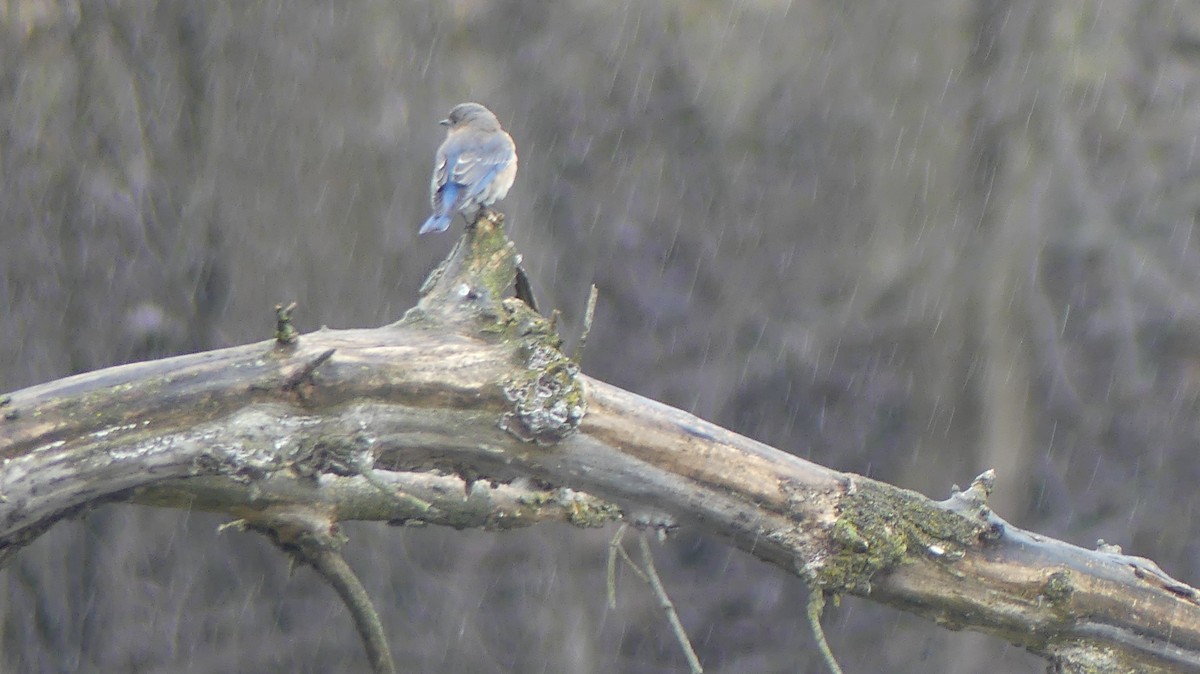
[588,315]
[664,602]
[816,605]
[285,333]
[236,525]
[305,372]
[613,546]
[333,567]
[617,549]
[649,575]
[633,566]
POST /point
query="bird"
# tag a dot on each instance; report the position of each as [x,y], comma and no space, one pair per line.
[474,167]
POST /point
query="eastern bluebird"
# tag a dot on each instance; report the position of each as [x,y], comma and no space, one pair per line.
[474,167]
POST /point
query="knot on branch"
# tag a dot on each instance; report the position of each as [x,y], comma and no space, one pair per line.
[302,532]
[547,398]
[340,455]
[973,503]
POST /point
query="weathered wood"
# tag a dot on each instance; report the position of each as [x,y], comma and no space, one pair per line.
[471,391]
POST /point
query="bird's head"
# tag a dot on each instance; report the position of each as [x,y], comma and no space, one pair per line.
[470,113]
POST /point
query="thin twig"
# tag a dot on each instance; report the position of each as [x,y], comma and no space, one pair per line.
[613,546]
[665,603]
[588,315]
[816,604]
[649,575]
[333,567]
[633,566]
[285,333]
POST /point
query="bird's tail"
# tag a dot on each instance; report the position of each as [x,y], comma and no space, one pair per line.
[436,223]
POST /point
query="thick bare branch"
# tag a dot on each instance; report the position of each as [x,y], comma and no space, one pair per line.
[471,388]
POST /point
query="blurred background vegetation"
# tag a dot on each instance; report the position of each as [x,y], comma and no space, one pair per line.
[912,240]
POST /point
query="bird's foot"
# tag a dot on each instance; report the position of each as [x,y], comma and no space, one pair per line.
[495,217]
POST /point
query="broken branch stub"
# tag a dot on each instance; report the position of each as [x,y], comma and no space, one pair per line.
[544,393]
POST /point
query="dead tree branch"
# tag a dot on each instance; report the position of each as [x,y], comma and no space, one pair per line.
[471,392]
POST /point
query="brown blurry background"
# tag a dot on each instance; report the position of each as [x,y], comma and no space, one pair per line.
[912,240]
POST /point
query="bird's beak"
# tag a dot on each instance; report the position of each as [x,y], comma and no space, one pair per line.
[444,122]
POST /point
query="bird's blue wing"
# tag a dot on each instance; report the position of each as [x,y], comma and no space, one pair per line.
[443,192]
[479,160]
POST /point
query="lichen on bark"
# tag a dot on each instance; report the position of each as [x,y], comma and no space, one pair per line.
[546,397]
[880,527]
